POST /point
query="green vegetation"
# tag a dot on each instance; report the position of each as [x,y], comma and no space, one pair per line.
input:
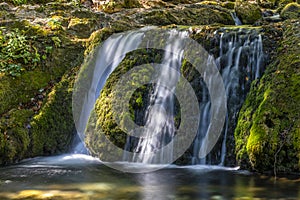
[17,54]
[40,57]
[188,16]
[34,57]
[267,134]
[14,135]
[52,129]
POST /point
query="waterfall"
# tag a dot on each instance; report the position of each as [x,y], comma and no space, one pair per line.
[160,126]
[240,62]
[113,51]
[235,18]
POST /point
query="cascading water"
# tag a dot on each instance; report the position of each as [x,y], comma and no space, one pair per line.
[235,18]
[111,54]
[160,126]
[240,62]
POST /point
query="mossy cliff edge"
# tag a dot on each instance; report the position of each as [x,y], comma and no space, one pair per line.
[268,131]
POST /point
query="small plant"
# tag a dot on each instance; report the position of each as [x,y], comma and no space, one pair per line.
[17,53]
[55,24]
[48,50]
[108,6]
[76,3]
[19,2]
[56,40]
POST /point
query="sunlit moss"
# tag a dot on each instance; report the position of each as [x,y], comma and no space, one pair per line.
[104,121]
[267,133]
[52,129]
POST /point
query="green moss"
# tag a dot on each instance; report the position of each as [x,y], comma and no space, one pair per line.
[53,128]
[187,16]
[21,2]
[59,54]
[291,11]
[267,134]
[82,27]
[208,3]
[267,3]
[18,91]
[103,124]
[248,12]
[228,5]
[131,4]
[14,135]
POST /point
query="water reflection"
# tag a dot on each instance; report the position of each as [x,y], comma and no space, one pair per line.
[77,177]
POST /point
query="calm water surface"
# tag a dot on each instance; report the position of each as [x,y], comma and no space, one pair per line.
[83,177]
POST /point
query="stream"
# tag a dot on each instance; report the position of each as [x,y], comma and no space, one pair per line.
[77,176]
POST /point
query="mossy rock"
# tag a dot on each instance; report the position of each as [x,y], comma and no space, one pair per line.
[59,54]
[187,16]
[102,123]
[131,4]
[21,2]
[267,3]
[53,128]
[18,91]
[282,3]
[267,135]
[228,5]
[291,11]
[248,12]
[14,135]
[63,55]
[82,27]
[214,3]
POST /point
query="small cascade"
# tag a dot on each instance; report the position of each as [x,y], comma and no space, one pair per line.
[235,18]
[113,51]
[160,125]
[78,146]
[240,62]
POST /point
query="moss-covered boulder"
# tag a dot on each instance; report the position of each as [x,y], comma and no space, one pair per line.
[291,11]
[248,12]
[14,135]
[102,123]
[267,3]
[268,131]
[82,28]
[28,75]
[131,4]
[201,15]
